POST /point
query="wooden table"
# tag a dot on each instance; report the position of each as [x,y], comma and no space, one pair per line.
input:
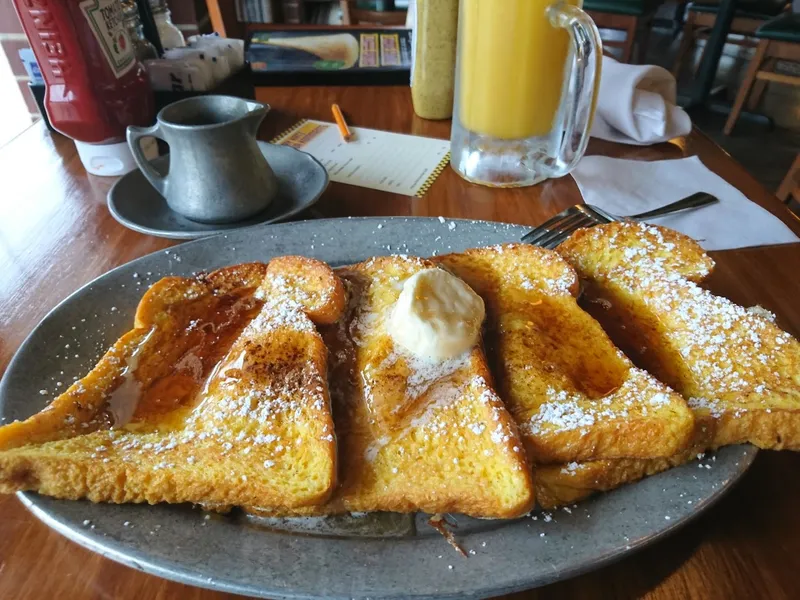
[56,234]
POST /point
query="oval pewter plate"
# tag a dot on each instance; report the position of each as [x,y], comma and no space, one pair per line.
[372,556]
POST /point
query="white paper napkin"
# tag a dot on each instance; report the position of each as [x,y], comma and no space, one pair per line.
[636,105]
[626,187]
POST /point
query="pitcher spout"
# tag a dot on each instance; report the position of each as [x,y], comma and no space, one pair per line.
[256,115]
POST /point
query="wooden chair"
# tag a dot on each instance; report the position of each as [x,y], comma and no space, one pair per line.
[634,17]
[701,16]
[790,186]
[222,14]
[352,15]
[779,39]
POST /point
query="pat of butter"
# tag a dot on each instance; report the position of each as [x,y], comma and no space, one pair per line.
[437,316]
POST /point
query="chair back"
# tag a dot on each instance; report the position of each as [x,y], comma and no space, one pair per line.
[767,8]
[352,15]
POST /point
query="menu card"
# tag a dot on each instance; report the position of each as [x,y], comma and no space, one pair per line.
[333,55]
[330,49]
[380,160]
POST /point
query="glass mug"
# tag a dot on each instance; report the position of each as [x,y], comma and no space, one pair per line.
[527,74]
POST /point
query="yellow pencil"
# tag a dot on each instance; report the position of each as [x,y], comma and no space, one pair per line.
[340,122]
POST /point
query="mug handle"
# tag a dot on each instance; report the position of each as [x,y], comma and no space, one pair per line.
[581,84]
[134,134]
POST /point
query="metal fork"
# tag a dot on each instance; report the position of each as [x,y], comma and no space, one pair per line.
[554,231]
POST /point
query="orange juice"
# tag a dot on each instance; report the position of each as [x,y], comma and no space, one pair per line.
[511,67]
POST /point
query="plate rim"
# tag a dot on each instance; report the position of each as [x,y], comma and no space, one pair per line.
[196,235]
[185,574]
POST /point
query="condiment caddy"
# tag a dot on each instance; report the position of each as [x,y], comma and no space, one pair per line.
[203,65]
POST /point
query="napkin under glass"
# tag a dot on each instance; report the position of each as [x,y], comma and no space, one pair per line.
[626,187]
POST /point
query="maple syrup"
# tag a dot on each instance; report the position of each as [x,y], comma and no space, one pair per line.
[560,343]
[205,340]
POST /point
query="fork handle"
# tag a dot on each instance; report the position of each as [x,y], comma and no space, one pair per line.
[694,201]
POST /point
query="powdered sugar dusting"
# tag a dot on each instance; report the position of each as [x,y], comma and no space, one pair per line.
[731,354]
[277,284]
[252,404]
[547,262]
[278,313]
[571,469]
[567,411]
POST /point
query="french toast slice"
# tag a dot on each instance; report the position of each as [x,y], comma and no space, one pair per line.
[215,397]
[738,371]
[173,317]
[308,282]
[575,396]
[414,435]
[564,484]
[567,483]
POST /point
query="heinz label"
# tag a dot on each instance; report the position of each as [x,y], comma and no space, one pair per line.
[105,21]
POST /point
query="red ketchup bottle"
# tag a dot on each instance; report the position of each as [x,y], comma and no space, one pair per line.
[95,85]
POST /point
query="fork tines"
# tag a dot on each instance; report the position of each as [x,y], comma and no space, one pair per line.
[554,231]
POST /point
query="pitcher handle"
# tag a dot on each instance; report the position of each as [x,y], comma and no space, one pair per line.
[581,84]
[134,134]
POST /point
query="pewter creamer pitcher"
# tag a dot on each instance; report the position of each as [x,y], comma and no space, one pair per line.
[217,173]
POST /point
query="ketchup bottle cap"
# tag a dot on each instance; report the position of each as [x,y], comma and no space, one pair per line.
[109,160]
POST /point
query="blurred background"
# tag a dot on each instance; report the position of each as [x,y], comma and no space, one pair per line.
[765,151]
